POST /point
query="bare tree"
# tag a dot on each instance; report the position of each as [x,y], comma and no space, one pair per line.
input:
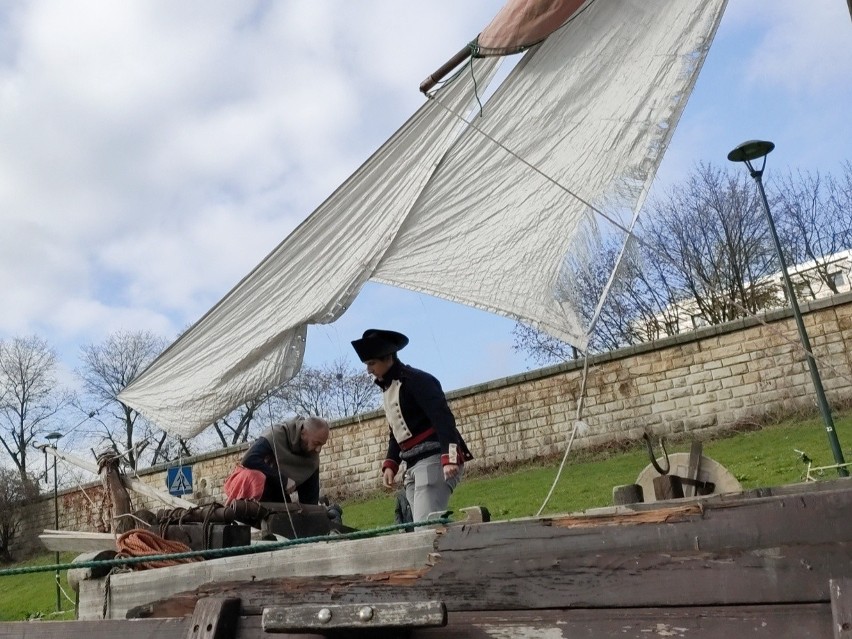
[235,428]
[814,219]
[107,368]
[542,347]
[703,254]
[30,399]
[332,391]
[656,310]
[711,243]
[15,494]
[166,447]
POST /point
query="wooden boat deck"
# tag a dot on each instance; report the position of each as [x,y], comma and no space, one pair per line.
[764,563]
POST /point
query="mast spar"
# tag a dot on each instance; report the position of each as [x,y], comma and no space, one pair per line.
[448,66]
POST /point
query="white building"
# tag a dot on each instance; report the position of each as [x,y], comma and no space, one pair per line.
[806,278]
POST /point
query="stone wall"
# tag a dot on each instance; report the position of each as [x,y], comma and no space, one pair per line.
[701,382]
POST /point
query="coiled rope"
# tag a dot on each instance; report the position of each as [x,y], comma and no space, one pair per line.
[144,543]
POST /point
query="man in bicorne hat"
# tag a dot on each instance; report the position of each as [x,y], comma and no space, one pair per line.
[284,460]
[423,430]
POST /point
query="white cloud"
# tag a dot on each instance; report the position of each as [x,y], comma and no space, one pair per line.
[152,152]
[806,46]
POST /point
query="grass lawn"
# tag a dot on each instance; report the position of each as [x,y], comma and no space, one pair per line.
[756,458]
[33,595]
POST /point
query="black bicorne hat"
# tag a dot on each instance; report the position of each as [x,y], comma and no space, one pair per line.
[377,343]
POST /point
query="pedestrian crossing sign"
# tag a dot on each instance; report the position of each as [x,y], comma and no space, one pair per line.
[179,480]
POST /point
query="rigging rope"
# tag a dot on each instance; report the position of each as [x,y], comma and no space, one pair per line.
[577,423]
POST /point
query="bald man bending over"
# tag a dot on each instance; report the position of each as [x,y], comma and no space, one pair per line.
[284,460]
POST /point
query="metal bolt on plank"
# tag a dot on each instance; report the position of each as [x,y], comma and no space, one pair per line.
[406,614]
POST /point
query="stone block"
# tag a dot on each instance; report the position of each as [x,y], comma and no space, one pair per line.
[712,385]
[663,385]
[738,369]
[729,351]
[720,373]
[676,393]
[732,381]
[699,377]
[680,362]
[743,390]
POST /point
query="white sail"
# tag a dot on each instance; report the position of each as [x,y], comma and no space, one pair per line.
[591,109]
[486,218]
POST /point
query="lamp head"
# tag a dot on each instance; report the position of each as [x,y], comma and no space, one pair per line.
[751,150]
[53,436]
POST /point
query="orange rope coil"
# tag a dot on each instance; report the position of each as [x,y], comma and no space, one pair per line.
[140,543]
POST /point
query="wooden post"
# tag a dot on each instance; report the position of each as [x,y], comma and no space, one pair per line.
[215,618]
[119,498]
[692,472]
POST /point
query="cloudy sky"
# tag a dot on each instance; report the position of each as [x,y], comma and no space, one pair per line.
[152,152]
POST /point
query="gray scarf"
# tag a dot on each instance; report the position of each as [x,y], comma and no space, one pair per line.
[290,457]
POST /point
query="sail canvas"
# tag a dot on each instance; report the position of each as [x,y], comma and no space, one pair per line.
[481,208]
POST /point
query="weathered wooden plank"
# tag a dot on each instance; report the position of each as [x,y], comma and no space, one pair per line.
[840,483]
[627,494]
[78,533]
[841,607]
[795,621]
[765,535]
[810,621]
[784,574]
[107,629]
[86,542]
[751,494]
[667,487]
[348,557]
[788,574]
[818,517]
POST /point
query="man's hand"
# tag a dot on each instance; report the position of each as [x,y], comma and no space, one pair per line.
[450,471]
[291,486]
[387,477]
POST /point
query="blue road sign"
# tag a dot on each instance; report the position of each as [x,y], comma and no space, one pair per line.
[179,480]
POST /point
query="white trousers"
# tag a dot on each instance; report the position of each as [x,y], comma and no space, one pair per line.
[426,489]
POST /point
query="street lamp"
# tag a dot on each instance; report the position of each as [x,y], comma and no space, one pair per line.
[754,150]
[52,437]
